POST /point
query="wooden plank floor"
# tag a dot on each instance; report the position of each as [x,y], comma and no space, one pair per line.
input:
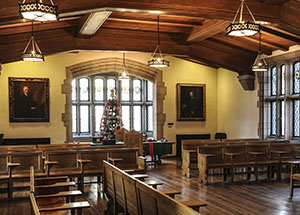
[267,197]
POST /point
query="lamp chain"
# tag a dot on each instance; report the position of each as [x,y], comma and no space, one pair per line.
[259,46]
[158,38]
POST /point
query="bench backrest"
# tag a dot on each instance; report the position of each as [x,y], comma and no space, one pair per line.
[67,160]
[95,156]
[240,149]
[26,160]
[217,151]
[3,163]
[129,157]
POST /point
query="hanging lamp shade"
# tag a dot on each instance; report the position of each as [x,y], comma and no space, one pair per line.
[38,11]
[32,51]
[242,28]
[123,74]
[260,65]
[157,59]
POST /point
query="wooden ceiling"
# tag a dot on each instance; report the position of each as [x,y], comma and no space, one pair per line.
[189,29]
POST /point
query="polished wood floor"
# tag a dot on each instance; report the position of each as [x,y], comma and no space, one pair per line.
[267,197]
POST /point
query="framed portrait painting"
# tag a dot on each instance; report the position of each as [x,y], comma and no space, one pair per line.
[28,99]
[191,104]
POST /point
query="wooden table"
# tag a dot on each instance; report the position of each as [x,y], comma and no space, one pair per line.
[256,154]
[232,155]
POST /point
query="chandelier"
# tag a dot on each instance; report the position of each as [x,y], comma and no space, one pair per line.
[32,51]
[154,60]
[260,65]
[242,28]
[38,11]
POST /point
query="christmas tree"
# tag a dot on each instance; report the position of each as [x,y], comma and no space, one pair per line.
[111,118]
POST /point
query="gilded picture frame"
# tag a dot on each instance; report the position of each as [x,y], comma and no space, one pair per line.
[28,99]
[191,102]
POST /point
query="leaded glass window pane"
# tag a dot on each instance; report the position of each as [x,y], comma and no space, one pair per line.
[98,89]
[296,118]
[126,117]
[84,89]
[125,90]
[282,79]
[137,121]
[149,118]
[296,80]
[98,116]
[111,84]
[74,119]
[74,93]
[282,126]
[84,118]
[149,91]
[273,81]
[137,90]
[273,118]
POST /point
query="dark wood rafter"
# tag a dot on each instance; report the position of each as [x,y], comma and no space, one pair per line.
[192,30]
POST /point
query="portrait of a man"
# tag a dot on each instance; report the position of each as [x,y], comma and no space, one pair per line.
[190,102]
[29,99]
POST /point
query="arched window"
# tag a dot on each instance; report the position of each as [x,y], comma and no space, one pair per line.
[89,95]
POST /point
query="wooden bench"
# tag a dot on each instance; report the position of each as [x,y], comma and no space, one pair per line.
[19,164]
[171,193]
[128,159]
[51,194]
[195,204]
[135,197]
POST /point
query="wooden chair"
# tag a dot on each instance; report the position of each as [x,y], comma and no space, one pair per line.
[120,134]
[294,177]
[134,139]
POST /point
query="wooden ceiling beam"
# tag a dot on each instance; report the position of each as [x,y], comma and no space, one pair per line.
[241,43]
[208,29]
[265,42]
[280,34]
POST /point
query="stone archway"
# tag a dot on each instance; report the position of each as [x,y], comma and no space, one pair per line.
[104,65]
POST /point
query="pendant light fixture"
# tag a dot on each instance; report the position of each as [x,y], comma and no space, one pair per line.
[242,28]
[38,11]
[32,51]
[123,74]
[157,61]
[260,65]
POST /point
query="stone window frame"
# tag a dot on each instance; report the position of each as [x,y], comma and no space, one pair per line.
[113,64]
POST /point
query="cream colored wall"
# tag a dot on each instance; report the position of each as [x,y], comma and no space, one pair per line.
[181,71]
[53,68]
[228,114]
[238,114]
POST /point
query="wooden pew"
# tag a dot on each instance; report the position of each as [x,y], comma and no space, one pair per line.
[135,197]
[64,163]
[128,159]
[52,194]
[19,164]
[211,157]
[4,178]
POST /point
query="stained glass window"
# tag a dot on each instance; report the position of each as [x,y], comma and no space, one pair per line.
[126,116]
[98,89]
[150,118]
[137,90]
[74,92]
[149,91]
[125,90]
[273,118]
[137,114]
[273,81]
[282,78]
[111,84]
[84,89]
[84,119]
[296,80]
[98,116]
[296,118]
[74,119]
